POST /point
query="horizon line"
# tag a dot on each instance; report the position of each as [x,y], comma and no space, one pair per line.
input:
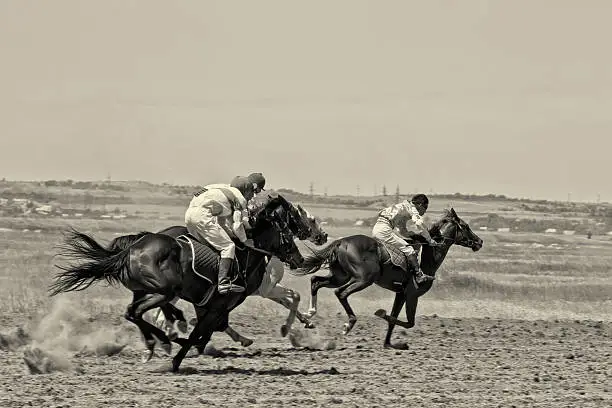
[431,194]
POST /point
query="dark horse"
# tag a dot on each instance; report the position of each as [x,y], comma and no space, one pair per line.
[300,221]
[158,267]
[358,261]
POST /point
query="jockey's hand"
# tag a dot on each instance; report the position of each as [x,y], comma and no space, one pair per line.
[433,243]
[249,243]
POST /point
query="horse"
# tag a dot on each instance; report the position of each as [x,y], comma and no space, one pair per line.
[358,261]
[158,267]
[308,228]
[270,287]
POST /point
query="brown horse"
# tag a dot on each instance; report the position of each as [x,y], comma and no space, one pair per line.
[358,261]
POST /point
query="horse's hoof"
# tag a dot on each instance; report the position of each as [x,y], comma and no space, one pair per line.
[347,329]
[284,330]
[246,342]
[380,313]
[309,325]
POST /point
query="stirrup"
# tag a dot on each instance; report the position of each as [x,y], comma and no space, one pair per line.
[229,287]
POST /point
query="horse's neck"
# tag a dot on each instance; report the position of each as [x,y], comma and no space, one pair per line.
[432,258]
[254,269]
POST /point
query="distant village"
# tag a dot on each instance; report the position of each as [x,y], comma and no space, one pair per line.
[21,200]
[28,207]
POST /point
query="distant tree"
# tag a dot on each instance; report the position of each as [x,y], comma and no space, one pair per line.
[397,194]
[384,190]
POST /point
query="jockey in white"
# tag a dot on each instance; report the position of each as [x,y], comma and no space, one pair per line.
[217,213]
[398,215]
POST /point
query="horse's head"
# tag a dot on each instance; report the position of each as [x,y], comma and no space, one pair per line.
[317,236]
[272,231]
[299,225]
[454,229]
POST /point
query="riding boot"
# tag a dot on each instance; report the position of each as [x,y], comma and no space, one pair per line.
[225,285]
[419,275]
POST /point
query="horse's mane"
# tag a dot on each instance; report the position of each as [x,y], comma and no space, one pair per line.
[447,215]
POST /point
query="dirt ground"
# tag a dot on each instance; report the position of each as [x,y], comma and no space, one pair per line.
[458,362]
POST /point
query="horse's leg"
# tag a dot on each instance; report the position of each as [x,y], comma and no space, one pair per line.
[134,315]
[398,303]
[342,293]
[174,320]
[316,283]
[167,316]
[411,306]
[200,335]
[287,298]
[137,297]
[237,337]
[305,320]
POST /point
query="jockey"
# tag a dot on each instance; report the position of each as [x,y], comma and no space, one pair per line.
[217,213]
[398,215]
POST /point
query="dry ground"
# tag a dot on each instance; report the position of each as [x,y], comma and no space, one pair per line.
[524,322]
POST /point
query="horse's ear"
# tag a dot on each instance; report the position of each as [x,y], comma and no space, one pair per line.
[454,214]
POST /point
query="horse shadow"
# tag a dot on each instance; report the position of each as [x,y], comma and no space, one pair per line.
[231,370]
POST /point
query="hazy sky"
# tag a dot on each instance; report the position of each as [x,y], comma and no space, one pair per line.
[510,97]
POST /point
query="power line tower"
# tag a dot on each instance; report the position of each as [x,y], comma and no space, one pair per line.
[397,194]
[384,190]
[311,189]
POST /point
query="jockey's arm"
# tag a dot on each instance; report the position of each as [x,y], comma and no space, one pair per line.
[415,218]
[422,228]
[238,225]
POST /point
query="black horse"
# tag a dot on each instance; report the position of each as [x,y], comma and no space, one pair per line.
[358,261]
[304,226]
[158,267]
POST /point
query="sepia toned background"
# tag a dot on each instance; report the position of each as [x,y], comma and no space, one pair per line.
[505,97]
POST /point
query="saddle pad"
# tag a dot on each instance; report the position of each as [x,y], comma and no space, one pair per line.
[204,259]
[393,255]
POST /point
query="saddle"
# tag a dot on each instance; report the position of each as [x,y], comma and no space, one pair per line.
[204,266]
[392,254]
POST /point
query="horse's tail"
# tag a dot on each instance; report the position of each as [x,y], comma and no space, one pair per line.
[125,241]
[317,259]
[98,263]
